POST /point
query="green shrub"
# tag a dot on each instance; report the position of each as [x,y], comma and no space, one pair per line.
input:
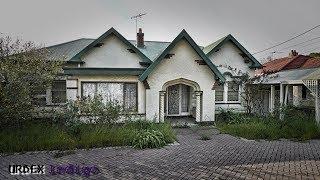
[205,136]
[149,139]
[35,137]
[296,124]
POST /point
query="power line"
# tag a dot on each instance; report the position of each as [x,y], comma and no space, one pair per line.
[300,43]
[305,32]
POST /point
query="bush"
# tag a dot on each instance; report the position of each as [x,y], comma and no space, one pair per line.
[45,136]
[296,124]
[93,110]
[149,139]
[205,136]
[33,137]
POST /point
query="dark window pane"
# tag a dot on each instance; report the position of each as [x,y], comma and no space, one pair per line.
[130,96]
[219,92]
[304,92]
[58,91]
[233,91]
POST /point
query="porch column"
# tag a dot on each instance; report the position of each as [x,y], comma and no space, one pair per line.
[281,94]
[198,105]
[297,95]
[317,102]
[286,95]
[272,99]
[161,105]
[281,100]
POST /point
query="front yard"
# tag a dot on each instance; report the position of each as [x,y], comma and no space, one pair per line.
[296,125]
[38,135]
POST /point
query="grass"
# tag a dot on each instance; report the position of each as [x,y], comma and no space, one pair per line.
[295,125]
[44,136]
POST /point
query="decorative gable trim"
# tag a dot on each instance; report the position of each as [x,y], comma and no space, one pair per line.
[98,41]
[210,50]
[183,35]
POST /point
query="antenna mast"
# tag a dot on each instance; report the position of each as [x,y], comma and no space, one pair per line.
[136,19]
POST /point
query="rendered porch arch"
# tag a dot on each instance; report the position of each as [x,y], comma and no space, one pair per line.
[187,82]
[190,83]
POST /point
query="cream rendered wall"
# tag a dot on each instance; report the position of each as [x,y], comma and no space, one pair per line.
[181,65]
[141,89]
[112,54]
[229,55]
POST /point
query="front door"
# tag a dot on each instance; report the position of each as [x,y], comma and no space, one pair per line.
[178,100]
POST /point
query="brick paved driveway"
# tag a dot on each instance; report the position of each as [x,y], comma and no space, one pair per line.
[222,157]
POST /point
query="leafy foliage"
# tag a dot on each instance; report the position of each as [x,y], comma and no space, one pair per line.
[46,136]
[91,110]
[25,70]
[149,139]
[205,136]
[296,124]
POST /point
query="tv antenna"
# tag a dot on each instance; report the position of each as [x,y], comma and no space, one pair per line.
[136,19]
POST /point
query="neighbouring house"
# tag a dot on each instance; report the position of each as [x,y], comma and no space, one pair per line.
[151,78]
[283,81]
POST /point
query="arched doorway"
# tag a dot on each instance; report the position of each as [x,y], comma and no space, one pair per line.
[180,97]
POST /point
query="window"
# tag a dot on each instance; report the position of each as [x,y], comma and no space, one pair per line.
[219,92]
[123,93]
[58,92]
[233,91]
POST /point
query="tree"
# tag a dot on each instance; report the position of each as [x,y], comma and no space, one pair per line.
[25,69]
[315,54]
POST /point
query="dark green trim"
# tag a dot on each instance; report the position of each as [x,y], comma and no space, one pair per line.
[77,57]
[187,37]
[256,64]
[103,71]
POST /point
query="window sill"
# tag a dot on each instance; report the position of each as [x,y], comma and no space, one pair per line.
[235,102]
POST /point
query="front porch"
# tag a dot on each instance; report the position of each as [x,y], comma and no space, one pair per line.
[180,98]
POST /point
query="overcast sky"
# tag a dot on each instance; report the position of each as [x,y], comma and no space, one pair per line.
[256,24]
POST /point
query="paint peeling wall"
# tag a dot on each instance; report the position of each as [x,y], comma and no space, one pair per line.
[181,65]
[112,54]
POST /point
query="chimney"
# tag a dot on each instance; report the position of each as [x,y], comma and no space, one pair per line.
[140,38]
[293,53]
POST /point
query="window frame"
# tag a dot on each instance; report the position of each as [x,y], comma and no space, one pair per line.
[51,93]
[223,90]
[239,88]
[116,82]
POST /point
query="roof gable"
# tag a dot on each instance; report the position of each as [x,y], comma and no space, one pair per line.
[212,48]
[183,35]
[105,35]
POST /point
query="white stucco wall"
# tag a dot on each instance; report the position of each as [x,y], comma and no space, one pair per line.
[181,65]
[228,55]
[112,54]
[80,79]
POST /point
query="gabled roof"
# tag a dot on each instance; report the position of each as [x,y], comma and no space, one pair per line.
[152,49]
[65,51]
[290,62]
[212,48]
[111,31]
[183,35]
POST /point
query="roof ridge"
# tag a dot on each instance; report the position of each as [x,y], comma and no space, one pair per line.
[69,42]
[153,41]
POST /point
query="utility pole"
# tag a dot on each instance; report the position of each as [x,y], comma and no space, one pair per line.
[136,19]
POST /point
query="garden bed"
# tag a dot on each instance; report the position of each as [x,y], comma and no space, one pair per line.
[38,136]
[296,125]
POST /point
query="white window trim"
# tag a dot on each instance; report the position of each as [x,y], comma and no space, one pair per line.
[225,94]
